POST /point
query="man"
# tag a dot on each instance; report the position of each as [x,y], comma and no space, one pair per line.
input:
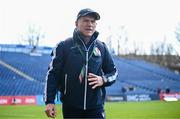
[81,68]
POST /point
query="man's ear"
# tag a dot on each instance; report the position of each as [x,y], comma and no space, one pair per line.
[76,23]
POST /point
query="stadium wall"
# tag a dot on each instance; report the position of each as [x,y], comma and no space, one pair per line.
[144,97]
[133,97]
[23,100]
[24,49]
[170,96]
[38,100]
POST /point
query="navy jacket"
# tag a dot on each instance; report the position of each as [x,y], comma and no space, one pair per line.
[72,60]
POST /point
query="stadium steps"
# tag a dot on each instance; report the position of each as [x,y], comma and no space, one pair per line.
[141,86]
[20,73]
[153,68]
[13,84]
[34,66]
[146,76]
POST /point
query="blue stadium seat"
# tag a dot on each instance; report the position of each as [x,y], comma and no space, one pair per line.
[135,76]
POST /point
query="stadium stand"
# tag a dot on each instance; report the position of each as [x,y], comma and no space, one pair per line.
[35,67]
[12,84]
[135,76]
[146,76]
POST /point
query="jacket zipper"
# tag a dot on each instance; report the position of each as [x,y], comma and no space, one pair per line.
[86,78]
[86,71]
[65,83]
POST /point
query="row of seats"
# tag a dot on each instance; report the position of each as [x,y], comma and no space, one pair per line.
[34,66]
[134,77]
[13,84]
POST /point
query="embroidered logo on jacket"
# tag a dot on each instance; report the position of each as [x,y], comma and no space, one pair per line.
[97,52]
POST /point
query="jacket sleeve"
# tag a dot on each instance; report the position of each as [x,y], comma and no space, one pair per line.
[109,69]
[53,74]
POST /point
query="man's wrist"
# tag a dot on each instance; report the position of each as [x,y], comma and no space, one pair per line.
[104,79]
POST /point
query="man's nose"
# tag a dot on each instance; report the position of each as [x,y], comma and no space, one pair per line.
[90,24]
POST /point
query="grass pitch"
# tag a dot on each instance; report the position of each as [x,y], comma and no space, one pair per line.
[114,110]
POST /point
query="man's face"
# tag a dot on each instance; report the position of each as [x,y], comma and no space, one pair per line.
[86,25]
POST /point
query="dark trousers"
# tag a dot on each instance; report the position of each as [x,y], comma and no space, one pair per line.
[76,113]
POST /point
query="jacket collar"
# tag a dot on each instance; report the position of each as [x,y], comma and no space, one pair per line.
[79,38]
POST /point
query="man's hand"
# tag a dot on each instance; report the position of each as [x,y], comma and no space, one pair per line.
[50,110]
[95,80]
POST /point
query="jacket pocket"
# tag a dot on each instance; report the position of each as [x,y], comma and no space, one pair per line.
[65,84]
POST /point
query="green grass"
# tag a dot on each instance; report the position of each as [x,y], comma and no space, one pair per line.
[143,110]
[119,110]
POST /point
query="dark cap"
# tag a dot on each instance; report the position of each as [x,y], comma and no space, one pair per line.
[87,11]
